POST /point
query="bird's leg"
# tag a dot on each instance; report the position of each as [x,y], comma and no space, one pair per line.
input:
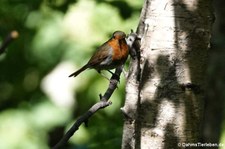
[99,71]
[113,73]
[103,75]
[110,72]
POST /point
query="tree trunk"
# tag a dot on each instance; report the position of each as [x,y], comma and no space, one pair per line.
[165,86]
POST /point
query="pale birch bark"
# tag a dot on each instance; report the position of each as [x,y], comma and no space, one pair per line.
[165,87]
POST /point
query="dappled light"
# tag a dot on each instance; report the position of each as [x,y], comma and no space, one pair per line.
[175,76]
[37,98]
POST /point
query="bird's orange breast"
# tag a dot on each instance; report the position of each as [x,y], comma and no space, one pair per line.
[120,50]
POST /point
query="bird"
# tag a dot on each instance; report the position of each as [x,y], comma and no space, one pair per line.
[110,55]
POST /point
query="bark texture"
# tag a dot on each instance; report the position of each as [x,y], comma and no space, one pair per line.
[165,86]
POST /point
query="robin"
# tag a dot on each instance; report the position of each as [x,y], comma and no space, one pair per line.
[110,55]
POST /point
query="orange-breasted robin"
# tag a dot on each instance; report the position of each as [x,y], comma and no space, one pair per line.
[110,55]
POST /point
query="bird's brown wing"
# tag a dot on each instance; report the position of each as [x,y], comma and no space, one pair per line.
[102,53]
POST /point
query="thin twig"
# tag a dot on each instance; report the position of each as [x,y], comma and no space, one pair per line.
[11,36]
[104,102]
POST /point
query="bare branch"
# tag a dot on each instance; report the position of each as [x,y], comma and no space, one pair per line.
[11,36]
[99,105]
[83,119]
[104,100]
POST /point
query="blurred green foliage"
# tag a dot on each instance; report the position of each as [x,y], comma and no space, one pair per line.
[57,34]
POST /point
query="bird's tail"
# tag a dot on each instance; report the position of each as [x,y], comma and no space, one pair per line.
[79,71]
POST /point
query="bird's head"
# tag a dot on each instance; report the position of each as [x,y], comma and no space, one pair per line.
[119,35]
